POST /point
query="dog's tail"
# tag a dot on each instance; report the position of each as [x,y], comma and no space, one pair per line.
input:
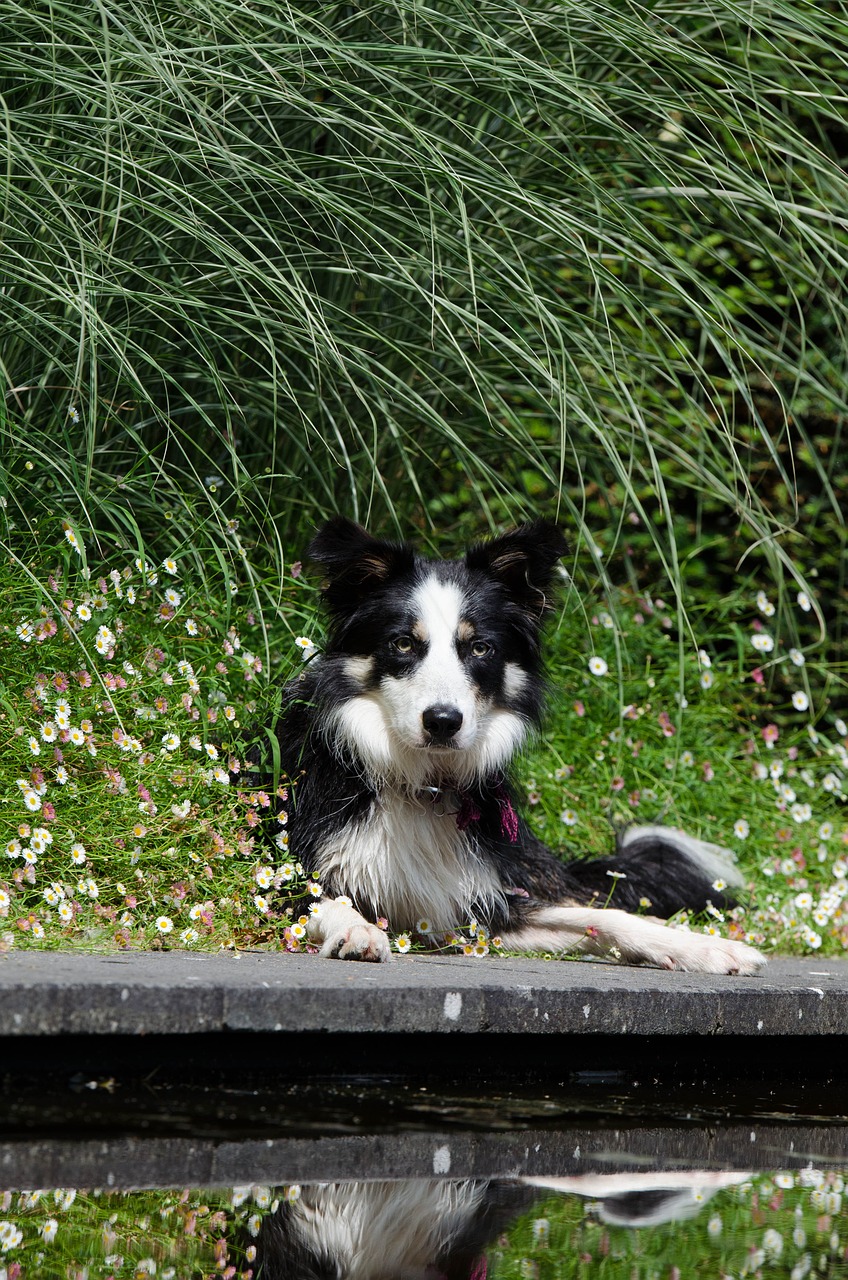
[667,868]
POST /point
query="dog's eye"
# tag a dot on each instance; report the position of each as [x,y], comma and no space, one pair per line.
[403,644]
[479,648]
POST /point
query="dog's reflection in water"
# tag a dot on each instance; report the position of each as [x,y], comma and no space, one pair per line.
[439,1230]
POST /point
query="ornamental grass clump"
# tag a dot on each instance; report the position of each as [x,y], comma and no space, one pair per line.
[425,264]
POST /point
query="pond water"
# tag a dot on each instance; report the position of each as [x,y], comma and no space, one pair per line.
[357,1178]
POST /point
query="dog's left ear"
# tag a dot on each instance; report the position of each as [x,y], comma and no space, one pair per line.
[524,561]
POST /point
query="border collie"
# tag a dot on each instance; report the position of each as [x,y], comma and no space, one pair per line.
[398,740]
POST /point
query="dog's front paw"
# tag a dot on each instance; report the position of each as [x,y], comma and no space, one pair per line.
[358,942]
[701,953]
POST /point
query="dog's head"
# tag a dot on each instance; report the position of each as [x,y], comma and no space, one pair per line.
[441,656]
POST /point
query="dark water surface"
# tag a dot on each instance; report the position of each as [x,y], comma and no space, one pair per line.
[485,1163]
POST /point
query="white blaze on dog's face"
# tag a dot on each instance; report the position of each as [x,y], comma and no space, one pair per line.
[434,702]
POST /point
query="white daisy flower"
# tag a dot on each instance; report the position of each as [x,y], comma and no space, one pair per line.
[73,539]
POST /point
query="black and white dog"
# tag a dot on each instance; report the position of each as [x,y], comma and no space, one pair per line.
[398,740]
[428,1229]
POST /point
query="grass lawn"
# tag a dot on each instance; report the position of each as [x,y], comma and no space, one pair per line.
[129,693]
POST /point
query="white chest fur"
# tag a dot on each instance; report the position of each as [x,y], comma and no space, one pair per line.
[379,1229]
[409,862]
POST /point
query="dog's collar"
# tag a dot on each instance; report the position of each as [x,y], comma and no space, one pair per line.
[442,800]
[452,802]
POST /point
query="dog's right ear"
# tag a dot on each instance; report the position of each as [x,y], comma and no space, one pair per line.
[354,563]
[523,561]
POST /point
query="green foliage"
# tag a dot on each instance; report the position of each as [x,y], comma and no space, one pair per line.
[124,1235]
[732,737]
[443,263]
[765,1225]
[129,693]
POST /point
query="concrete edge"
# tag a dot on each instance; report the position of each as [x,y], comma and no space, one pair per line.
[133,1163]
[52,994]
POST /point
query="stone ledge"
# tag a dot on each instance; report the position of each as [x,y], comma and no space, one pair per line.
[135,1163]
[185,993]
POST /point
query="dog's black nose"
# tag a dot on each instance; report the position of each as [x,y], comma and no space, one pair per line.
[441,722]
